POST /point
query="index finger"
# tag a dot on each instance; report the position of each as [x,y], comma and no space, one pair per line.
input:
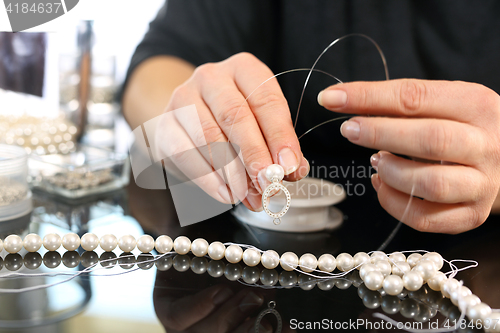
[452,100]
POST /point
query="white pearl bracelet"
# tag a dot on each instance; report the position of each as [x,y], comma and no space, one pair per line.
[379,271]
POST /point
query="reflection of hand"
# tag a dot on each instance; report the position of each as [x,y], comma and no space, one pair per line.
[457,123]
[215,309]
[261,128]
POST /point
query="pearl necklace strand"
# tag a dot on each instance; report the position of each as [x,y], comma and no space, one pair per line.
[379,271]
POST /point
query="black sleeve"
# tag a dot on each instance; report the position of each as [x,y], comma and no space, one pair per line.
[209,31]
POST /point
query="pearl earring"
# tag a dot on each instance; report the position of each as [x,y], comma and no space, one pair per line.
[275,173]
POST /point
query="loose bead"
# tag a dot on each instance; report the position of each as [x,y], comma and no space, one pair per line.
[435,282]
[13,244]
[146,244]
[52,242]
[108,243]
[479,312]
[216,250]
[199,247]
[233,254]
[360,258]
[270,259]
[32,242]
[251,257]
[164,244]
[384,266]
[327,263]
[127,243]
[393,285]
[436,258]
[374,280]
[413,281]
[400,268]
[289,261]
[89,242]
[413,259]
[71,241]
[308,263]
[426,269]
[182,245]
[345,262]
[397,256]
[366,268]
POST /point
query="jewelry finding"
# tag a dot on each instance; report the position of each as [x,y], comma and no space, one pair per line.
[270,309]
[275,173]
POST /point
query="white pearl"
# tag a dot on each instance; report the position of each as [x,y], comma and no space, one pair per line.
[400,268]
[32,242]
[89,242]
[216,250]
[492,319]
[182,245]
[199,247]
[359,259]
[448,286]
[108,242]
[377,255]
[13,243]
[327,263]
[459,293]
[1,245]
[345,262]
[251,257]
[367,268]
[413,259]
[436,258]
[426,268]
[146,244]
[480,311]
[384,266]
[374,280]
[435,282]
[413,281]
[308,262]
[233,254]
[275,171]
[71,241]
[127,243]
[397,256]
[393,285]
[289,261]
[270,259]
[467,302]
[52,242]
[164,244]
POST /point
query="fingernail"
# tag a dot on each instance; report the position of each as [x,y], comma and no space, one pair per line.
[224,194]
[250,301]
[308,167]
[288,160]
[374,161]
[254,199]
[222,296]
[376,181]
[332,98]
[350,130]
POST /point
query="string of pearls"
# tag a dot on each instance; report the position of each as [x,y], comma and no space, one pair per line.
[379,271]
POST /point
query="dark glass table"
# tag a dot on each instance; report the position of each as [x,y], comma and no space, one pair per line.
[133,293]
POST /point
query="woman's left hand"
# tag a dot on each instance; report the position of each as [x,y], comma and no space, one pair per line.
[451,127]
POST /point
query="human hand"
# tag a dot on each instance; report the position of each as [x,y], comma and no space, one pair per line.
[261,127]
[455,123]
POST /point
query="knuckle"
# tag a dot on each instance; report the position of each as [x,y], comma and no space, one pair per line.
[233,112]
[206,71]
[208,132]
[253,157]
[244,57]
[436,187]
[423,223]
[182,92]
[436,142]
[268,100]
[412,95]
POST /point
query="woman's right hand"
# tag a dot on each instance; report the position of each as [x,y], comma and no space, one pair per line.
[260,131]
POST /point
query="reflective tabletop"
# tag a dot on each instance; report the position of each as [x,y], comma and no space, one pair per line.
[182,293]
